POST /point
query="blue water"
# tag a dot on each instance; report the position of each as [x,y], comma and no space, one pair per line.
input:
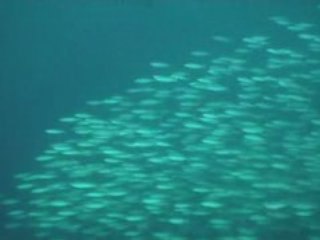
[56,55]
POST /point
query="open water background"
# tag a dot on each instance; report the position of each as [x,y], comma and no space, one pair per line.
[56,55]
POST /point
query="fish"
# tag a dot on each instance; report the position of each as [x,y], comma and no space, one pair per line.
[223,147]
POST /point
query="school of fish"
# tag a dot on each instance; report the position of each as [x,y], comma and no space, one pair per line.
[222,147]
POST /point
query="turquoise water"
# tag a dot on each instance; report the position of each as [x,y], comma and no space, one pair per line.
[162,120]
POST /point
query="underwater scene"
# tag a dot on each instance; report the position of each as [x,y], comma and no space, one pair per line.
[160,120]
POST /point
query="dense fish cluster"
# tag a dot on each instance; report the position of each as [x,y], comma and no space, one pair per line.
[224,148]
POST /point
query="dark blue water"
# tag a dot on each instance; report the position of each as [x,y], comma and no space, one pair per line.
[56,55]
